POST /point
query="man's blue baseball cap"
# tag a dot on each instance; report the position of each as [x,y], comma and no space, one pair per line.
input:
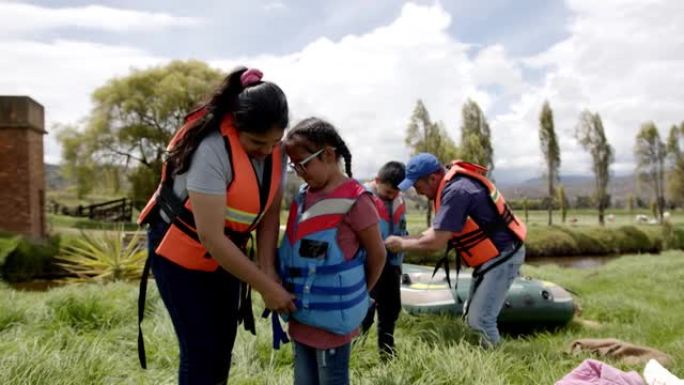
[417,167]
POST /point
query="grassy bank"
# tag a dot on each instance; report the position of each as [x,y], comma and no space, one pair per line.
[559,241]
[86,334]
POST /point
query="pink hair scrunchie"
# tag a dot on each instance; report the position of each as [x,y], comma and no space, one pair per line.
[251,76]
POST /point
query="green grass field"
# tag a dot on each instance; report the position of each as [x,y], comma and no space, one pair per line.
[86,334]
[416,220]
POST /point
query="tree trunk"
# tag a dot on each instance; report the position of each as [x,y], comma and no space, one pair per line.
[550,196]
[601,196]
[428,215]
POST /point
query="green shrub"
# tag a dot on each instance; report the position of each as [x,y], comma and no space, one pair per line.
[547,241]
[8,243]
[641,239]
[26,258]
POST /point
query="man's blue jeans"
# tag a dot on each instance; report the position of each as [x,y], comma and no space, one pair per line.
[321,366]
[486,303]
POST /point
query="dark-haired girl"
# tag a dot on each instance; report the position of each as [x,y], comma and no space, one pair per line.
[222,180]
[331,255]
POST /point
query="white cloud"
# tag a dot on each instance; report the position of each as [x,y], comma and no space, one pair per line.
[367,85]
[61,75]
[623,59]
[22,18]
[274,6]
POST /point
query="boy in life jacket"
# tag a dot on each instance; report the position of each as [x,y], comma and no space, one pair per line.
[221,181]
[471,217]
[386,294]
[332,254]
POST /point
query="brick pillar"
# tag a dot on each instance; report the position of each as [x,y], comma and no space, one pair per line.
[22,171]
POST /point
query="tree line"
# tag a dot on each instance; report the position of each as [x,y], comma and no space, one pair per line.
[121,144]
[655,159]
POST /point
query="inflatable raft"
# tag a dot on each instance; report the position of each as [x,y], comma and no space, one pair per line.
[529,301]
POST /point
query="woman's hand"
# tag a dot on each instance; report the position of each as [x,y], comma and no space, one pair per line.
[271,272]
[278,299]
[208,211]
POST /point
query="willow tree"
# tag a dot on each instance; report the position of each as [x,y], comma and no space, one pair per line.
[563,203]
[591,135]
[650,153]
[135,116]
[675,163]
[424,135]
[551,151]
[476,145]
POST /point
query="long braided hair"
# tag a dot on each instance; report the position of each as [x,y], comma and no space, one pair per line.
[319,132]
[256,108]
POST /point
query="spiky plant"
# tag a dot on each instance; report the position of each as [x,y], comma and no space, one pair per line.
[104,256]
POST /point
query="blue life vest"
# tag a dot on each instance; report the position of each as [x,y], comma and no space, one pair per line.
[330,291]
[392,221]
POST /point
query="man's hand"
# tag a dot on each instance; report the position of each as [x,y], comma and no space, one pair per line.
[394,243]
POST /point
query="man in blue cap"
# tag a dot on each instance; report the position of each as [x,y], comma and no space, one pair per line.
[472,217]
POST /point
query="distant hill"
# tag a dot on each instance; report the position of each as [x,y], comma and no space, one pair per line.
[575,185]
[53,177]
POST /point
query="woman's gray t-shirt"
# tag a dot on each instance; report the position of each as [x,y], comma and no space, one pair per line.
[210,170]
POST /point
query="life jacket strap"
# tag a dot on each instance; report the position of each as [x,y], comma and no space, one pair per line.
[279,335]
[245,315]
[297,288]
[331,306]
[142,294]
[298,272]
[444,262]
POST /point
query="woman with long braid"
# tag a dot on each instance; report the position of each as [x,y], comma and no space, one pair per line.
[222,180]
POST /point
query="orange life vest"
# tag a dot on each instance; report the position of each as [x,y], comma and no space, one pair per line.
[246,201]
[473,243]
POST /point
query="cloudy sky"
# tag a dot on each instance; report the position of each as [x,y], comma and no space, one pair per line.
[363,64]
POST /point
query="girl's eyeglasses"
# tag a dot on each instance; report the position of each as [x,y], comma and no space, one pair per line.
[300,166]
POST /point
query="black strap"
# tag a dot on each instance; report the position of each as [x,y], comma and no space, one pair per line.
[477,270]
[142,294]
[444,262]
[245,315]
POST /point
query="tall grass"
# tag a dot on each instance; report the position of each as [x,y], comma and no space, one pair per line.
[86,334]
